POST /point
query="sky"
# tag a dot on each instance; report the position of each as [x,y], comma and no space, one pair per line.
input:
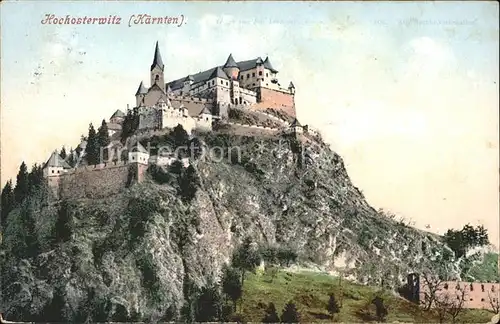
[406,93]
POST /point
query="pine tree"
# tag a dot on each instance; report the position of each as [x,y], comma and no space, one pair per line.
[35,178]
[63,228]
[271,315]
[22,184]
[71,158]
[179,137]
[63,153]
[103,140]
[231,284]
[333,306]
[209,305]
[245,258]
[8,201]
[290,314]
[92,149]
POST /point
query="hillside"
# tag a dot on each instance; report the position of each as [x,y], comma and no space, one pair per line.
[132,255]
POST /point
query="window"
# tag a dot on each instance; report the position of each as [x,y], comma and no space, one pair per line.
[248,76]
[253,75]
[52,171]
[221,82]
[133,158]
[227,83]
[482,299]
[241,77]
[482,287]
[260,73]
[471,287]
[253,84]
[445,286]
[267,75]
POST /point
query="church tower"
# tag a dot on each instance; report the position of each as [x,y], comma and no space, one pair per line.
[157,70]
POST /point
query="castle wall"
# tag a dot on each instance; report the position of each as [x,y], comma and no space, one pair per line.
[94,181]
[248,96]
[477,293]
[279,100]
[187,123]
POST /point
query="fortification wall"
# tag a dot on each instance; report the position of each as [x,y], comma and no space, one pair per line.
[277,100]
[477,294]
[94,181]
[250,130]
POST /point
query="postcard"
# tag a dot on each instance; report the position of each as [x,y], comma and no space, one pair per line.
[249,162]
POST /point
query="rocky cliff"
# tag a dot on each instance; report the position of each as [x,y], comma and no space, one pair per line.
[133,255]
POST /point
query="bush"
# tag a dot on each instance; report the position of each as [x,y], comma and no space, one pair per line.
[290,313]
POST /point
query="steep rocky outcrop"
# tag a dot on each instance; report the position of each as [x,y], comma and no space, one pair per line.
[134,254]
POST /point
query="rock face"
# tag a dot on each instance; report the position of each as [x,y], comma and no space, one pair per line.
[133,255]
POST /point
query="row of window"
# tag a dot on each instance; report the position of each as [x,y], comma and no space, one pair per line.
[471,287]
[253,75]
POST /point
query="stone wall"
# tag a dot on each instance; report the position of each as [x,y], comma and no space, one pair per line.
[94,181]
[477,294]
[277,100]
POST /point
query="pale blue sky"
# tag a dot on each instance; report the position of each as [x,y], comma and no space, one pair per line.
[407,93]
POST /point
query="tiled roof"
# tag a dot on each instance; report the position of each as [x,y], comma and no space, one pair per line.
[157,58]
[268,65]
[56,161]
[218,72]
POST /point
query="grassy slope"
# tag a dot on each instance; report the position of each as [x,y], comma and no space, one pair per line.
[486,270]
[310,290]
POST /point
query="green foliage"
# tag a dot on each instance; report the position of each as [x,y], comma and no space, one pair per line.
[22,184]
[159,175]
[63,153]
[92,148]
[290,313]
[231,284]
[188,183]
[465,239]
[246,258]
[179,138]
[63,228]
[278,255]
[103,140]
[130,124]
[7,203]
[209,304]
[271,315]
[333,306]
[54,311]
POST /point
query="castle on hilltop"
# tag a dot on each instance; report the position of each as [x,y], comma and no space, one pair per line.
[195,100]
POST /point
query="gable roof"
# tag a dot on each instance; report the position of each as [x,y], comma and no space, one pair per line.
[219,73]
[157,58]
[55,160]
[268,65]
[138,148]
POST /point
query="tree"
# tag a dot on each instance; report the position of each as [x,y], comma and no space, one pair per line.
[63,228]
[494,302]
[54,311]
[179,137]
[209,304]
[465,239]
[71,158]
[450,303]
[246,258]
[188,183]
[8,201]
[231,284]
[35,178]
[290,313]
[22,184]
[92,148]
[103,140]
[380,309]
[271,315]
[431,286]
[333,306]
[63,153]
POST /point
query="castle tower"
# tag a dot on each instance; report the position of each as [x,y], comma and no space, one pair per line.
[138,158]
[231,68]
[140,95]
[157,67]
[291,87]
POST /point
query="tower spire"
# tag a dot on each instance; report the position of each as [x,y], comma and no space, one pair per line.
[157,58]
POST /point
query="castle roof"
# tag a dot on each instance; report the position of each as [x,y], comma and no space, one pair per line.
[189,78]
[268,65]
[118,114]
[157,59]
[138,148]
[295,123]
[205,110]
[230,62]
[259,61]
[219,73]
[155,86]
[141,89]
[56,160]
[211,73]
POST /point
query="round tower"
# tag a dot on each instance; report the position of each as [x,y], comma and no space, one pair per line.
[231,68]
